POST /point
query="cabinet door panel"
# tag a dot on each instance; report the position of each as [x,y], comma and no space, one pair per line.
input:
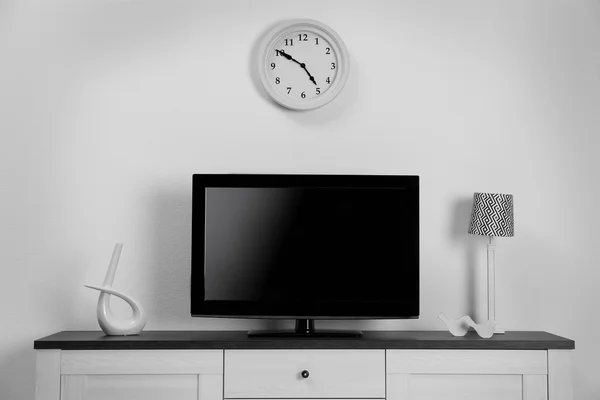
[535,387]
[454,387]
[130,387]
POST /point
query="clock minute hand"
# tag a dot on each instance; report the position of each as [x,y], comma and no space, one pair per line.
[289,57]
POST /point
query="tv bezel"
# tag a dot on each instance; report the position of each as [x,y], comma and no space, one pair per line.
[200,307]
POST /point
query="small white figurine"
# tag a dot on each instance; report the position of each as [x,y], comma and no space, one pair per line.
[459,327]
[110,324]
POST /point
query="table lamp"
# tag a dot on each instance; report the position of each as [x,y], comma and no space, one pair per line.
[492,215]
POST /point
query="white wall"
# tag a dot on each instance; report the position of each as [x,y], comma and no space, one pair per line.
[107,107]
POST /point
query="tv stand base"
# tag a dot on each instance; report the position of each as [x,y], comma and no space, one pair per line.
[228,365]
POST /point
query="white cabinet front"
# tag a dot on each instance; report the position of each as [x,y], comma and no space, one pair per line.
[129,387]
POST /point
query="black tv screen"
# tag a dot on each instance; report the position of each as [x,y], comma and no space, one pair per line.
[305,246]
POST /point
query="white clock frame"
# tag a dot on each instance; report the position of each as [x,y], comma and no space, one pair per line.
[285,28]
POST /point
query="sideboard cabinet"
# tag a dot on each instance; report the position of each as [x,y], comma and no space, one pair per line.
[227,365]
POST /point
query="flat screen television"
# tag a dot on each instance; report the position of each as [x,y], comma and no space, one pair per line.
[305,247]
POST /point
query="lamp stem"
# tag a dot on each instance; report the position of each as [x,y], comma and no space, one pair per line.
[491,264]
[491,275]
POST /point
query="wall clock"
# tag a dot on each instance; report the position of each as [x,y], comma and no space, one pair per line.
[303,64]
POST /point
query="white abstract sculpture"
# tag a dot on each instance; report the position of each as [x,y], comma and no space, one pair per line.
[110,324]
[459,327]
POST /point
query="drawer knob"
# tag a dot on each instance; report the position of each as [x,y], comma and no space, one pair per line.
[305,374]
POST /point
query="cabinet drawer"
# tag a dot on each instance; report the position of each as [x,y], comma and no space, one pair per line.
[515,362]
[277,374]
[120,362]
[456,387]
[129,387]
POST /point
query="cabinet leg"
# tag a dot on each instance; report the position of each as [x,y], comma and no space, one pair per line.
[47,375]
[560,374]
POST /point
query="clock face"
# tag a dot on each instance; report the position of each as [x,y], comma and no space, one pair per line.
[303,64]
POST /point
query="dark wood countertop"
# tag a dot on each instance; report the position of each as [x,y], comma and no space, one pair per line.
[179,340]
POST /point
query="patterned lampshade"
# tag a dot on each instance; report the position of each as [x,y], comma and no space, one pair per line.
[492,215]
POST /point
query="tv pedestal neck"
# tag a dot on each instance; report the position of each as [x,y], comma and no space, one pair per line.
[305,328]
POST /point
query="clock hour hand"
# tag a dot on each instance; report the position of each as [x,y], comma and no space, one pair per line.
[312,78]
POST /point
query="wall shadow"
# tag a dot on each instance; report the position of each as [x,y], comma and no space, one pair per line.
[171,255]
[461,215]
[253,64]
